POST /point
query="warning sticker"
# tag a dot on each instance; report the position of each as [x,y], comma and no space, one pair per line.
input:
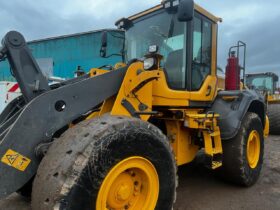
[15,160]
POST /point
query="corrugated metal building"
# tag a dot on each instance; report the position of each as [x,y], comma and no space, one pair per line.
[60,56]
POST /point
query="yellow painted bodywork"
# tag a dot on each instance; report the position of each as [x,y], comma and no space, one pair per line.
[160,6]
[107,104]
[213,146]
[266,127]
[156,93]
[207,124]
[119,65]
[95,72]
[164,96]
[221,83]
[136,89]
[181,141]
[273,99]
[106,107]
[179,133]
[208,90]
[150,88]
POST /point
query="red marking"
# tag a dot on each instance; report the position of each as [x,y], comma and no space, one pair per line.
[14,88]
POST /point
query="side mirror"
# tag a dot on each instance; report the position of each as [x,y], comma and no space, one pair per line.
[186,10]
[103,49]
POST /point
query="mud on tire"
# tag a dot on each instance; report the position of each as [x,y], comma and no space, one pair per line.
[72,172]
[236,168]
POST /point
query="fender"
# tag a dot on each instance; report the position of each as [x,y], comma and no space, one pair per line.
[232,107]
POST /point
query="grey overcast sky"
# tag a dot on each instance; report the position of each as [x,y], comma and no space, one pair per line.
[255,22]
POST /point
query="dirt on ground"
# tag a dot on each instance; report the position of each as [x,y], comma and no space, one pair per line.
[200,189]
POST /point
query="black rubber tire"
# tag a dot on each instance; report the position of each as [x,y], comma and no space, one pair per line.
[274,118]
[235,167]
[70,175]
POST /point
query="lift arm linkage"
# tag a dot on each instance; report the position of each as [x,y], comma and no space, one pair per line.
[24,68]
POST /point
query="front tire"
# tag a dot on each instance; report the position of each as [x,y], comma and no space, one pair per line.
[243,155]
[111,162]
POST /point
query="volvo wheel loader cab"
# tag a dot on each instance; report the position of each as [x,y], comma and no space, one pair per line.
[267,85]
[112,139]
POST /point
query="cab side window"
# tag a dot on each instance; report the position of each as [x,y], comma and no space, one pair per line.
[174,54]
[201,62]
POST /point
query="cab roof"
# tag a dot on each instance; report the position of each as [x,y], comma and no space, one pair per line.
[270,74]
[197,8]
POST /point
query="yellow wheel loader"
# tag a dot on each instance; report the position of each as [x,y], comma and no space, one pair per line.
[113,139]
[267,85]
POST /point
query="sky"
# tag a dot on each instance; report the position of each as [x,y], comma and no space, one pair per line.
[255,22]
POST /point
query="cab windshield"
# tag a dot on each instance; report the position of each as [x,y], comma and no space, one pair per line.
[261,83]
[170,35]
[165,31]
[160,30]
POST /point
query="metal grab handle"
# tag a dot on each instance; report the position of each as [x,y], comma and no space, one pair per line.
[209,90]
[229,93]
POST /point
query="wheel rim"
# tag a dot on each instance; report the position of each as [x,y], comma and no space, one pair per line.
[253,149]
[132,184]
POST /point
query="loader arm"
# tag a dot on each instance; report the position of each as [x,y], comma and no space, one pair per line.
[46,111]
[31,80]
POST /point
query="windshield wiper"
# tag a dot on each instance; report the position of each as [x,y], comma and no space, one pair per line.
[171,27]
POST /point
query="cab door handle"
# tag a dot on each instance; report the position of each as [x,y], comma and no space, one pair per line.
[209,90]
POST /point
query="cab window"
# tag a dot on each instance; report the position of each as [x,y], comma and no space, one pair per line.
[165,31]
[201,61]
[174,62]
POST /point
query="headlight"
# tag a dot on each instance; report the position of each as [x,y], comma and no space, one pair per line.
[149,63]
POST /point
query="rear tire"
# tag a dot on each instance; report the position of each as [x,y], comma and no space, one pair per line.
[243,155]
[72,173]
[274,118]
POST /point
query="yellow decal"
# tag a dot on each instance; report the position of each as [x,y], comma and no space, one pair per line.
[16,160]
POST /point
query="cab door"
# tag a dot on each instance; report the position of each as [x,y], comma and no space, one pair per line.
[202,73]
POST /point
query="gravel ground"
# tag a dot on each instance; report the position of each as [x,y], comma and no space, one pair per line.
[200,189]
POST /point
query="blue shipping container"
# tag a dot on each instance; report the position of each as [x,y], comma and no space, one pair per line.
[63,54]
